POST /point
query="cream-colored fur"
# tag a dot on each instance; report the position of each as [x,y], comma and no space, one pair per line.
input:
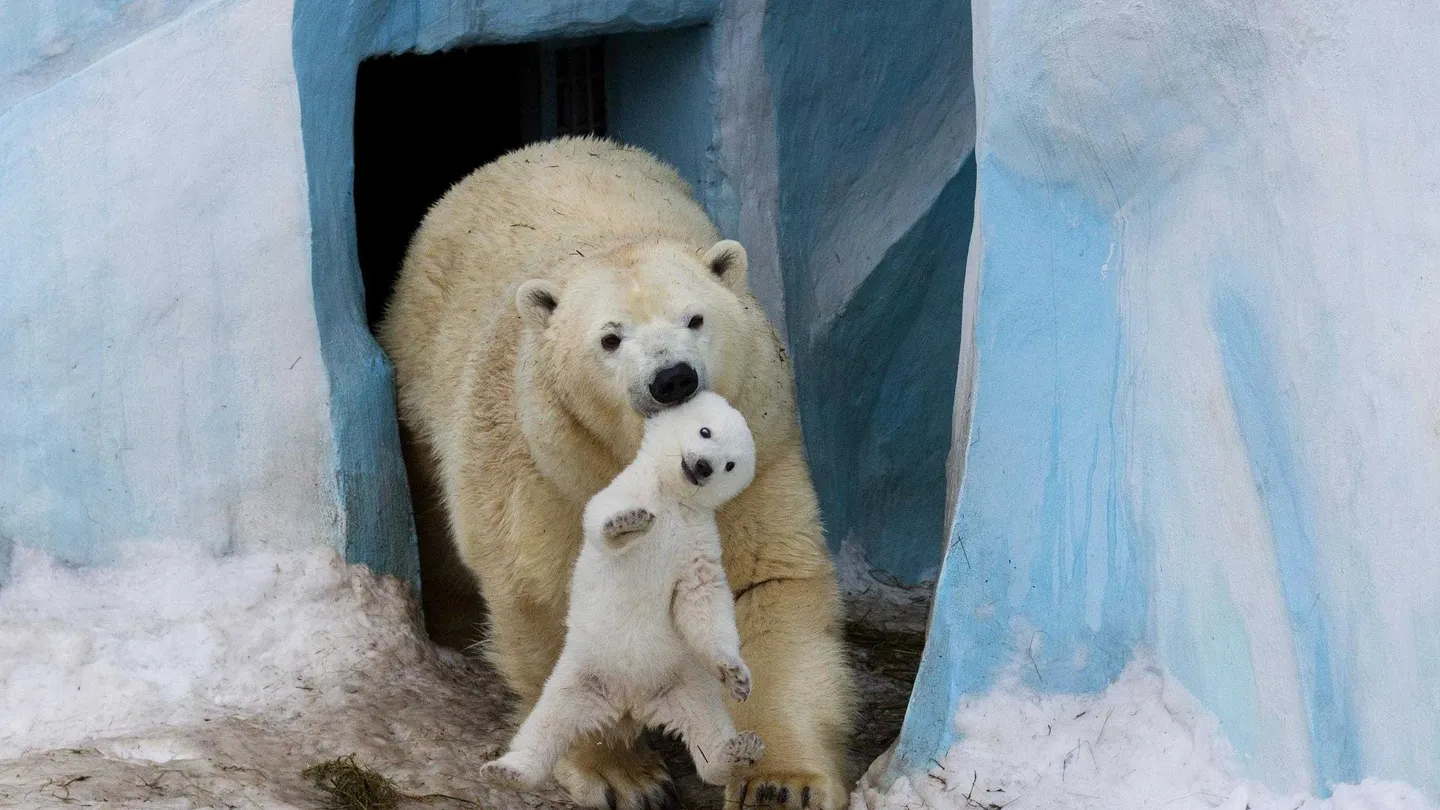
[526,415]
[651,629]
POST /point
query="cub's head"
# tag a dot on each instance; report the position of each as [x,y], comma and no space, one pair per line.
[703,450]
[641,329]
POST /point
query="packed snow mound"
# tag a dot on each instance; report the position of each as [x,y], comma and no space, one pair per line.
[176,638]
[1142,744]
[176,679]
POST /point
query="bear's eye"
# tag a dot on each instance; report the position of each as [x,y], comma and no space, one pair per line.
[729,465]
[704,433]
[610,342]
[697,322]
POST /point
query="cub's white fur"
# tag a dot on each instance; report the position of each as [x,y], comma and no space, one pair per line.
[651,628]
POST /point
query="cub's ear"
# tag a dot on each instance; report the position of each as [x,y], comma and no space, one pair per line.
[536,301]
[727,262]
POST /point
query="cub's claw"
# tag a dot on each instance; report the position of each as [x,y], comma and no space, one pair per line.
[506,774]
[736,677]
[742,750]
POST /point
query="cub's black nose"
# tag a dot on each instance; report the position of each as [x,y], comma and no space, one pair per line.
[675,384]
[703,469]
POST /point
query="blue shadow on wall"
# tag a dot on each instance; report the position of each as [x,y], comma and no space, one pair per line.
[863,93]
[330,41]
[877,390]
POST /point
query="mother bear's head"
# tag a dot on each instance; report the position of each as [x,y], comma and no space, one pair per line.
[612,338]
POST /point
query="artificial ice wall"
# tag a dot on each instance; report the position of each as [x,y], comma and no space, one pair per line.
[183,347]
[1199,408]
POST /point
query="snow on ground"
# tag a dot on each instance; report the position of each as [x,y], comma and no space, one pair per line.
[179,681]
[1143,743]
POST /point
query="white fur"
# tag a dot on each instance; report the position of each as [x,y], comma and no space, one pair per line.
[651,629]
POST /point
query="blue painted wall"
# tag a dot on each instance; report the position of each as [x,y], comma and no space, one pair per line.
[876,390]
[162,379]
[1044,563]
[43,43]
[1198,405]
[873,127]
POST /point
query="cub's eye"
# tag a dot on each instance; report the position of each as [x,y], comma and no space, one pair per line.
[697,322]
[729,465]
[704,433]
[610,342]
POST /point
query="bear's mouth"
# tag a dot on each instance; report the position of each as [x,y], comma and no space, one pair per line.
[689,473]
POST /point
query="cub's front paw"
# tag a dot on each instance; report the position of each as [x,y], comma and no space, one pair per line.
[736,677]
[629,521]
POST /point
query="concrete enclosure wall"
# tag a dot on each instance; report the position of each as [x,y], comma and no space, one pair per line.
[161,365]
[1201,401]
[874,125]
[183,313]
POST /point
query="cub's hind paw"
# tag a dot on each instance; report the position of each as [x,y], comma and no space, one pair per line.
[630,521]
[736,677]
[742,750]
[508,774]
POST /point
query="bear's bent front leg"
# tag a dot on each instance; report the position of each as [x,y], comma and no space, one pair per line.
[802,700]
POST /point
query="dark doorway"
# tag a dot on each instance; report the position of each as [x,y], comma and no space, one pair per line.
[425,121]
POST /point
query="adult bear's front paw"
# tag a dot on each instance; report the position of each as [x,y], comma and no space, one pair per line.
[627,522]
[602,775]
[766,788]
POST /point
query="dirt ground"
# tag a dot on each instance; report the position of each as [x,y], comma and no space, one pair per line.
[428,735]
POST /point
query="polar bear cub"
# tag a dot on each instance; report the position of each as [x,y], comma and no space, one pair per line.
[651,627]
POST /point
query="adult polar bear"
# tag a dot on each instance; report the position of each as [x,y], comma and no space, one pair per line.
[546,303]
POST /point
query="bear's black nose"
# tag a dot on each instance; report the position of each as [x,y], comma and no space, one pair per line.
[675,384]
[703,469]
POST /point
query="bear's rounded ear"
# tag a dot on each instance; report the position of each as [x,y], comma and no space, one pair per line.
[727,262]
[536,301]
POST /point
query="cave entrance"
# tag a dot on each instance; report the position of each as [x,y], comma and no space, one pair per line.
[423,122]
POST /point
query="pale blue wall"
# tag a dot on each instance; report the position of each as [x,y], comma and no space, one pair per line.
[160,363]
[43,43]
[1202,416]
[809,132]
